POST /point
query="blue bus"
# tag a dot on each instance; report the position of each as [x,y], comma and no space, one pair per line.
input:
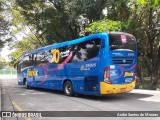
[99,64]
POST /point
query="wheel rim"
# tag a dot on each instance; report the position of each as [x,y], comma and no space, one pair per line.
[68,89]
[26,84]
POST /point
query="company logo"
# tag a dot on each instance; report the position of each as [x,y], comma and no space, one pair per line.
[32,72]
[56,55]
[88,66]
[82,67]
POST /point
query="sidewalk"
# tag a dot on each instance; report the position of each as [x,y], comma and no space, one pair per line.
[8,76]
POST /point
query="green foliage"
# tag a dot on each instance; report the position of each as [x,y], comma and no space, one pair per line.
[3,26]
[59,20]
[3,63]
[148,86]
[52,21]
[104,25]
[140,18]
[27,44]
[148,38]
[158,86]
[17,21]
[153,3]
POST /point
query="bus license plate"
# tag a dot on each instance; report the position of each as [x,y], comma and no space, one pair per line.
[126,74]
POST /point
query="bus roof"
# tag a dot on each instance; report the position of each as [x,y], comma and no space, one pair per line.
[75,41]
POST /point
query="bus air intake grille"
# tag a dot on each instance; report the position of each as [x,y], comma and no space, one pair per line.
[91,83]
[122,60]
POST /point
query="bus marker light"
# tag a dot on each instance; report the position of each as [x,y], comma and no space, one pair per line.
[107,75]
[123,89]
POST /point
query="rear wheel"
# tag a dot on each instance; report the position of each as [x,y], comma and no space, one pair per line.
[68,89]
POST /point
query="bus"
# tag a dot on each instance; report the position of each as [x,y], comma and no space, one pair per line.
[99,64]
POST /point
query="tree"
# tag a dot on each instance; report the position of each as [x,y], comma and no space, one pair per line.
[27,44]
[151,33]
[3,26]
[141,18]
[3,63]
[59,20]
[104,25]
[51,21]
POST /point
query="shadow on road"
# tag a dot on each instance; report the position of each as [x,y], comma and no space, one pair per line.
[112,97]
[116,97]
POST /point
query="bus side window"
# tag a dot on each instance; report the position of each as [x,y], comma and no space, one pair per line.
[42,58]
[87,50]
[34,59]
[26,61]
[64,53]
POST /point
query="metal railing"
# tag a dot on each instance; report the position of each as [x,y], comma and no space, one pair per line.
[8,72]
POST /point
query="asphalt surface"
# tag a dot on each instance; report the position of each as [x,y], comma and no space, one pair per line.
[17,98]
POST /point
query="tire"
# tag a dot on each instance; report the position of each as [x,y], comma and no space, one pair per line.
[68,89]
[26,85]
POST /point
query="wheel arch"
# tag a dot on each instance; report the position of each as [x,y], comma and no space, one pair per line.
[65,80]
[24,81]
[65,84]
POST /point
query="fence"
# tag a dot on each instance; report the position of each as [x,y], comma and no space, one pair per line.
[8,72]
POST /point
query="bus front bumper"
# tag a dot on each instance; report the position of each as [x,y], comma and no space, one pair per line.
[106,88]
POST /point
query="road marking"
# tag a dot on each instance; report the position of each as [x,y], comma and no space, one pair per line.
[19,109]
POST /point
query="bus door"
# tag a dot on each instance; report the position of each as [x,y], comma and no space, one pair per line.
[30,76]
[27,70]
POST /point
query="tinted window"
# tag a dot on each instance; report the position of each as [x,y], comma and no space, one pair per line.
[42,58]
[65,52]
[80,52]
[26,61]
[120,41]
[86,50]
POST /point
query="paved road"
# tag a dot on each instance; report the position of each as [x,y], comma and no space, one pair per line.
[16,98]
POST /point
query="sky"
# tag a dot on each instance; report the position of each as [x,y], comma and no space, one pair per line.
[6,51]
[19,36]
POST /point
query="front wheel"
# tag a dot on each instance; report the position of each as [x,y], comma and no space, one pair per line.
[68,89]
[26,85]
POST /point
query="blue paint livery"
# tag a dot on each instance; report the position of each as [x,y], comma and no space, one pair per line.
[82,80]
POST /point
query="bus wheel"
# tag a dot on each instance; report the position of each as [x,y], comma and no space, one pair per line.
[26,84]
[68,89]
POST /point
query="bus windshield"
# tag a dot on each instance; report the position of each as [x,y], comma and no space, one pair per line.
[122,41]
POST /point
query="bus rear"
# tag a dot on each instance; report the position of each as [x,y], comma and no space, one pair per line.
[119,63]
